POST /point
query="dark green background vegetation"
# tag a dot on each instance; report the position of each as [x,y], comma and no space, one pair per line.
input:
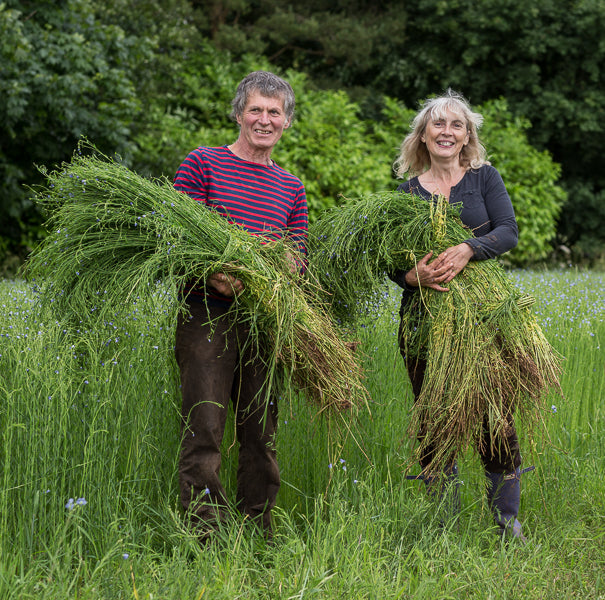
[151,80]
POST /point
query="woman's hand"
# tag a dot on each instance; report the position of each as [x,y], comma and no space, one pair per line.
[225,284]
[456,258]
[439,272]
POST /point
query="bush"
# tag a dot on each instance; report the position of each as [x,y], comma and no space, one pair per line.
[583,235]
[530,177]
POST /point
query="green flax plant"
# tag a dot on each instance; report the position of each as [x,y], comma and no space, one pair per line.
[110,435]
[485,351]
[116,237]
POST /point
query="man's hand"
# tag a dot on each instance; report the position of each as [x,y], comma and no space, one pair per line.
[225,284]
[294,264]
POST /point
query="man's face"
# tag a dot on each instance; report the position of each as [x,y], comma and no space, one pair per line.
[262,122]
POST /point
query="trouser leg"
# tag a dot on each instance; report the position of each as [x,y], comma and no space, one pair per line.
[416,368]
[501,459]
[500,456]
[444,486]
[216,365]
[206,357]
[258,477]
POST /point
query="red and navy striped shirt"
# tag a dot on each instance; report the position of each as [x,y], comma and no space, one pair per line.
[265,200]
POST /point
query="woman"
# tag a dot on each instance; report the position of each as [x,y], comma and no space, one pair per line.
[443,156]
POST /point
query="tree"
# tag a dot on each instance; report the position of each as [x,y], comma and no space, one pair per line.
[63,74]
[547,58]
[531,179]
[139,80]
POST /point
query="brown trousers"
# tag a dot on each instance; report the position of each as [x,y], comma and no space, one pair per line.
[497,456]
[215,371]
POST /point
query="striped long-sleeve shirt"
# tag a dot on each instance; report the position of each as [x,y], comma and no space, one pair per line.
[265,200]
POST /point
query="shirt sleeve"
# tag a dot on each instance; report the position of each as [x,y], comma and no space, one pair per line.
[298,222]
[190,178]
[504,233]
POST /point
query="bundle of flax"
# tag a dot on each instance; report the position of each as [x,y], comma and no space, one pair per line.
[485,351]
[116,237]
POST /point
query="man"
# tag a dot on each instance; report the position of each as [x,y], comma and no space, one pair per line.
[217,362]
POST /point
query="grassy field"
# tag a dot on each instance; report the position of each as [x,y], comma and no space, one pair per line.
[89,494]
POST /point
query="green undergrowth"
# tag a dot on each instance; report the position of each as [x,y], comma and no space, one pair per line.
[89,490]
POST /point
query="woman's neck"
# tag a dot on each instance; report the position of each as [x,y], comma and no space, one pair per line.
[442,177]
[448,172]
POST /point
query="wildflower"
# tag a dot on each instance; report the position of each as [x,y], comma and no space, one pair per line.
[125,556]
[553,408]
[71,503]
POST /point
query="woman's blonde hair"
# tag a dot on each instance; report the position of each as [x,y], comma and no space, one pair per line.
[414,157]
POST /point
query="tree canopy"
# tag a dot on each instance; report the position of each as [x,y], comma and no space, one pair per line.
[547,58]
[150,80]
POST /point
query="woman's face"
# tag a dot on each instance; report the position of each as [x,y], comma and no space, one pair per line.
[445,136]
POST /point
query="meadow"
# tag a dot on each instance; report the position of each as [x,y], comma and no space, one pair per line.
[89,508]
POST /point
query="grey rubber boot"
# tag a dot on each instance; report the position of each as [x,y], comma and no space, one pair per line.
[504,496]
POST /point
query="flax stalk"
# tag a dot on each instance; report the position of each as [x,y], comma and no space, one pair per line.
[486,354]
[116,238]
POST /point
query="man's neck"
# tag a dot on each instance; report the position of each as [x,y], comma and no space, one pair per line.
[262,157]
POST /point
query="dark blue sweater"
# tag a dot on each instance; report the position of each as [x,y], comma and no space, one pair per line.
[486,209]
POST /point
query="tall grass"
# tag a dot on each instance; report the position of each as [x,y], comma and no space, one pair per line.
[101,427]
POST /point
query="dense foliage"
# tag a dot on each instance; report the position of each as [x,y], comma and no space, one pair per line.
[63,74]
[151,80]
[546,58]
